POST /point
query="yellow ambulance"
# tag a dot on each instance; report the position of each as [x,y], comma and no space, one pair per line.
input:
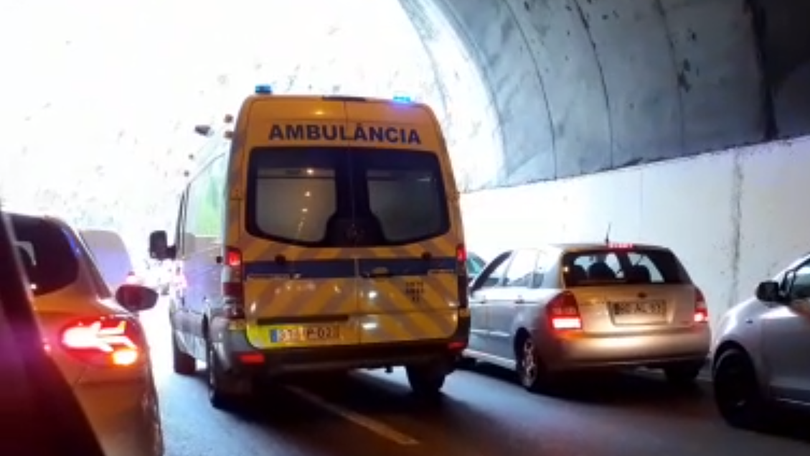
[323,233]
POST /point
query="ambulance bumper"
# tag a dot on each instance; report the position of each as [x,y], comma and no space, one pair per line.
[239,357]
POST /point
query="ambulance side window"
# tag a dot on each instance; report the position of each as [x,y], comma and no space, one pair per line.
[204,219]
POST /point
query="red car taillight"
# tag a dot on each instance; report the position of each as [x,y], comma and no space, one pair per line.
[701,309]
[563,312]
[462,277]
[105,341]
[232,283]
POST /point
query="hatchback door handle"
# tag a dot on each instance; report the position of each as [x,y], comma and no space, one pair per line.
[519,300]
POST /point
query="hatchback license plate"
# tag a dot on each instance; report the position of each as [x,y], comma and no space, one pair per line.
[657,308]
[309,333]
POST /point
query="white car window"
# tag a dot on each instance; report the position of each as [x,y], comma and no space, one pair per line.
[801,283]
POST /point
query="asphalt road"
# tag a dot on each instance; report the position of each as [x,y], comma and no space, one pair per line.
[484,413]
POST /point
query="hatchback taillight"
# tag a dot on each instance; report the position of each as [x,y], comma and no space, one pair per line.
[701,309]
[563,312]
[105,341]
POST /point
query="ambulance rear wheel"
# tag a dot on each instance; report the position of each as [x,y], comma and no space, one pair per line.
[426,380]
[225,391]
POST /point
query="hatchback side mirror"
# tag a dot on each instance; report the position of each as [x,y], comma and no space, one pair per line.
[136,298]
[768,291]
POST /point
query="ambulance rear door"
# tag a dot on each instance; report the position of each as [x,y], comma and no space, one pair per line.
[300,274]
[407,258]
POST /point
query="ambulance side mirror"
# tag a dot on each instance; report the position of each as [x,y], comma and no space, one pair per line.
[159,248]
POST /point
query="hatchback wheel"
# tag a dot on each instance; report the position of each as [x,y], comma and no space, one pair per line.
[530,370]
[736,390]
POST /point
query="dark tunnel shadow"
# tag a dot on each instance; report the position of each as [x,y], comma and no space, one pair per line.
[385,400]
[788,424]
[280,410]
[283,415]
[649,389]
[627,388]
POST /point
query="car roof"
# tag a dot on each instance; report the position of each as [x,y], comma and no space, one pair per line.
[30,216]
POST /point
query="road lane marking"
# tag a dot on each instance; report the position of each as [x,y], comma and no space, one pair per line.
[370,424]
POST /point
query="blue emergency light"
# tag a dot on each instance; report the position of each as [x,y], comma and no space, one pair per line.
[402,99]
[264,89]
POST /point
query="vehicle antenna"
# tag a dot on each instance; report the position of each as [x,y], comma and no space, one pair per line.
[607,234]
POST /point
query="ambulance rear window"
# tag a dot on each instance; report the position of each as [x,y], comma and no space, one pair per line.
[339,197]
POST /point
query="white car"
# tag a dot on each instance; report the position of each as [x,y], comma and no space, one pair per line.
[111,257]
[94,337]
[760,358]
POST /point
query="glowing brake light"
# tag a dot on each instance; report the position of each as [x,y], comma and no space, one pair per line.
[563,312]
[701,309]
[461,254]
[233,258]
[462,279]
[232,286]
[621,246]
[104,341]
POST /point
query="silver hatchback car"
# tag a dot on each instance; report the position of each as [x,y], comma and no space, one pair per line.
[759,353]
[576,307]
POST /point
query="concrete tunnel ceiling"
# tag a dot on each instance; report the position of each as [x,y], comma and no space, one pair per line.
[581,86]
[527,90]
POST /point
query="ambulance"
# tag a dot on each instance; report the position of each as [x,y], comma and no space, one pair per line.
[323,233]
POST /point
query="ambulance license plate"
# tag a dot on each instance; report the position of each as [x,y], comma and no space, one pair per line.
[309,333]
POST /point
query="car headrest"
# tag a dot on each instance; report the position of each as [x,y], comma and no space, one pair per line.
[600,271]
[640,274]
[577,274]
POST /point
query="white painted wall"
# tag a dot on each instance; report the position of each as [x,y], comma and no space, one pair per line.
[734,217]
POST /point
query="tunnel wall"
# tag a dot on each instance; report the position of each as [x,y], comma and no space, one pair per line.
[734,218]
[582,86]
[644,93]
[785,48]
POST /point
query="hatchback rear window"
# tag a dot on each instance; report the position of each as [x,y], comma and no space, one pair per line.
[600,267]
[46,253]
[335,197]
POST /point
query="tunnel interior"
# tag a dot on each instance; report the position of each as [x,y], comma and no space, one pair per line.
[528,91]
[100,105]
[582,86]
